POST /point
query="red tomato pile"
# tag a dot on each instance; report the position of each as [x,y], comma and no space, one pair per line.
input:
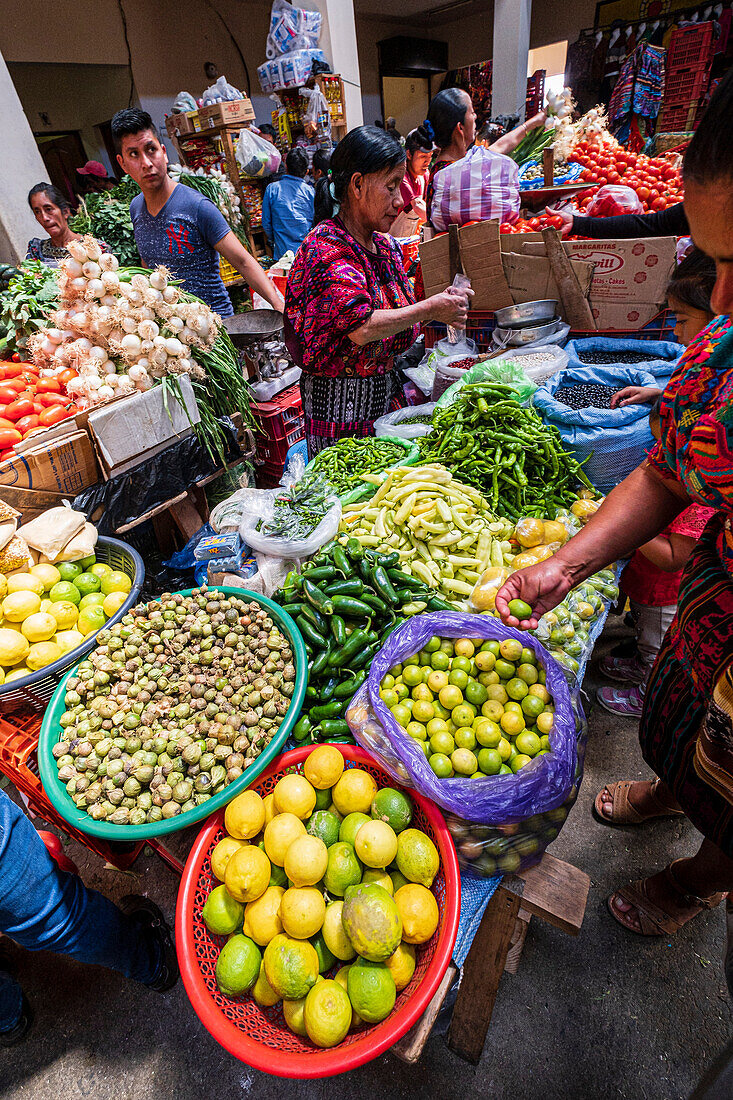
[28,403]
[657,182]
[532,225]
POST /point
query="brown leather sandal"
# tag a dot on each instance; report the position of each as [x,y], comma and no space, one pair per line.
[653,919]
[622,812]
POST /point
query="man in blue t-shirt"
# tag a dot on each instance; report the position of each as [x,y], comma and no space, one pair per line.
[175,225]
[287,206]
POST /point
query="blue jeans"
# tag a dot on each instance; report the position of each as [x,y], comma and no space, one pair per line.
[46,909]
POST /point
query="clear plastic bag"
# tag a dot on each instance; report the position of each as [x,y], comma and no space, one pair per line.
[256,156]
[220,91]
[183,102]
[490,370]
[401,422]
[613,200]
[292,29]
[317,117]
[259,510]
[449,361]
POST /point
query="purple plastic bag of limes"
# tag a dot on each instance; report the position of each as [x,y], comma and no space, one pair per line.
[492,800]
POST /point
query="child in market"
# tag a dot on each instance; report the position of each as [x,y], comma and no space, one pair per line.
[651,580]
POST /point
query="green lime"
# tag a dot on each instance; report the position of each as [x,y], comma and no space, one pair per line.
[343,870]
[440,661]
[277,876]
[392,806]
[489,761]
[238,965]
[441,765]
[350,826]
[88,562]
[528,743]
[505,669]
[492,646]
[115,581]
[69,570]
[323,798]
[222,914]
[92,599]
[326,958]
[488,733]
[516,689]
[88,582]
[64,590]
[520,609]
[532,706]
[371,988]
[433,645]
[476,693]
[324,825]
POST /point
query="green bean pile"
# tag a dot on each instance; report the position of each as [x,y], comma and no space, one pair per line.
[346,462]
[506,451]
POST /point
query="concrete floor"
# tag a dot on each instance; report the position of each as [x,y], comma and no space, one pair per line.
[606,1014]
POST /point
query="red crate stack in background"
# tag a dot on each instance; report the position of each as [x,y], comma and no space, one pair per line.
[282,425]
[688,63]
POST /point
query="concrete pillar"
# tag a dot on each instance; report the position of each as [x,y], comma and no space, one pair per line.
[23,167]
[512,20]
[338,42]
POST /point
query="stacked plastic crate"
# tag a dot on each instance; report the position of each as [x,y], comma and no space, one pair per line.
[688,64]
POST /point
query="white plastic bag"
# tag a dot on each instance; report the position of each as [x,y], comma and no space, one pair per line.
[259,509]
[292,29]
[221,91]
[256,157]
[398,424]
[183,102]
[538,363]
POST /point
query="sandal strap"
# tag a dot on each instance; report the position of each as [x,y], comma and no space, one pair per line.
[710,902]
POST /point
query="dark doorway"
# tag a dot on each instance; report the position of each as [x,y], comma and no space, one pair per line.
[62,154]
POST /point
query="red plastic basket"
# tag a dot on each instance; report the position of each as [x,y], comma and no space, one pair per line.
[19,762]
[678,118]
[278,416]
[690,46]
[685,85]
[479,327]
[259,1036]
[275,451]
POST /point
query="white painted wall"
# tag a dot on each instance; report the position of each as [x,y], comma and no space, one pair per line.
[338,42]
[23,168]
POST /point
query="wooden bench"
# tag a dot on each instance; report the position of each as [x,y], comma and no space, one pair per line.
[555,892]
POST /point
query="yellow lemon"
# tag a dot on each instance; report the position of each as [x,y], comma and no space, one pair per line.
[417,857]
[3,586]
[65,613]
[302,911]
[18,605]
[244,816]
[13,647]
[306,861]
[116,581]
[270,811]
[380,877]
[419,912]
[113,602]
[67,639]
[354,792]
[248,873]
[99,569]
[401,965]
[291,966]
[26,582]
[376,844]
[262,917]
[294,795]
[40,627]
[262,991]
[221,855]
[342,977]
[7,625]
[48,575]
[46,606]
[280,834]
[17,674]
[337,942]
[327,1013]
[323,767]
[294,1014]
[41,654]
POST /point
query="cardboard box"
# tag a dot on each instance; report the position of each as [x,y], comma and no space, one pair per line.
[131,429]
[531,279]
[630,278]
[480,250]
[65,466]
[186,122]
[224,114]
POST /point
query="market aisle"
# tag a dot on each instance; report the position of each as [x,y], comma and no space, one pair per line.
[600,1015]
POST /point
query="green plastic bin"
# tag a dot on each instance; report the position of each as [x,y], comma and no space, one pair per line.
[51,733]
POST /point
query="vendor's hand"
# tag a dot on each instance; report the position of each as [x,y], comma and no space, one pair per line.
[541,586]
[635,395]
[536,121]
[450,306]
[567,220]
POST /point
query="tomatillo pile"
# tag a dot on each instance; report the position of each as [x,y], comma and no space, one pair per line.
[176,701]
[476,707]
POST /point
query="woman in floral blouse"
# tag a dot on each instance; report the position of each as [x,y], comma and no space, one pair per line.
[349,309]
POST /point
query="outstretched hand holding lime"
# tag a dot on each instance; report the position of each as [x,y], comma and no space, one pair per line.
[527,594]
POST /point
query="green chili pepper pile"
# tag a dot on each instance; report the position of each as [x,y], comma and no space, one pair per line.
[345,603]
[346,462]
[517,461]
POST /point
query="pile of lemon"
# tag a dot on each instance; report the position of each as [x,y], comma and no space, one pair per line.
[322,876]
[48,610]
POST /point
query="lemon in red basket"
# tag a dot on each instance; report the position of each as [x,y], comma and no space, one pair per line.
[306,860]
[280,834]
[294,795]
[418,910]
[269,804]
[376,844]
[337,942]
[398,880]
[113,602]
[25,582]
[350,827]
[326,958]
[291,966]
[17,606]
[40,627]
[372,922]
[380,877]
[222,914]
[323,767]
[294,1013]
[91,619]
[343,869]
[354,792]
[64,612]
[221,855]
[401,965]
[41,654]
[64,591]
[324,825]
[327,1013]
[417,857]
[116,581]
[238,966]
[302,911]
[244,816]
[372,990]
[342,977]
[262,991]
[248,873]
[393,807]
[262,916]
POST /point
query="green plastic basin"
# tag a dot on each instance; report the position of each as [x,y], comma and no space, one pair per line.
[51,733]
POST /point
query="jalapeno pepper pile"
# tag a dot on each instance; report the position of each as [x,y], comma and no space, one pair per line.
[345,603]
[346,462]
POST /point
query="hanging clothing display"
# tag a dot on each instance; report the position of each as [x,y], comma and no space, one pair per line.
[640,86]
[584,69]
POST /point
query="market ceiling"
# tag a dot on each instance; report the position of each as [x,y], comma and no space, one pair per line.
[412,9]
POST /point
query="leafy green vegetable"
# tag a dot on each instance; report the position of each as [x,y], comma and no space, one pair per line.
[26,304]
[108,219]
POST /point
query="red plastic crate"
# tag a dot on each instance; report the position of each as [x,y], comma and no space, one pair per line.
[268,474]
[275,451]
[479,327]
[19,762]
[535,92]
[690,46]
[278,416]
[684,85]
[678,118]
